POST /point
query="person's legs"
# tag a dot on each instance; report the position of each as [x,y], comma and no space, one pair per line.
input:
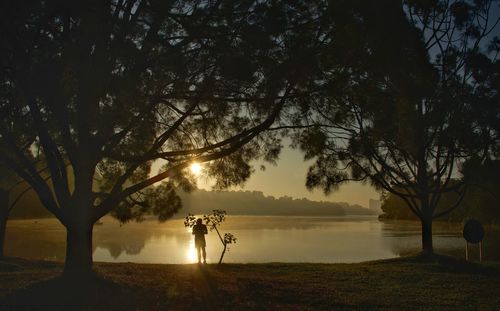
[204,254]
[198,248]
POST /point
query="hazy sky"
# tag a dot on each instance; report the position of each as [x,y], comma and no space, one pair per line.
[288,178]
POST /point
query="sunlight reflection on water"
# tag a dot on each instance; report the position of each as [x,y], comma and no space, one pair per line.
[260,239]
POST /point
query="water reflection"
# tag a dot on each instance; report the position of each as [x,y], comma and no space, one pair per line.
[260,239]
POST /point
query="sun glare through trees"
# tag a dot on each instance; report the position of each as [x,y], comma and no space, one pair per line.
[196,168]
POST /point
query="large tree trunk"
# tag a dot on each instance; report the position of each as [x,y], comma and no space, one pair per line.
[3,224]
[79,249]
[427,235]
[79,224]
[4,214]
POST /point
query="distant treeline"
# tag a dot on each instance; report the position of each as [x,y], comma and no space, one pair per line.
[255,203]
[234,202]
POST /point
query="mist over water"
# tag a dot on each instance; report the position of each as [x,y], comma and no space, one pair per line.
[259,239]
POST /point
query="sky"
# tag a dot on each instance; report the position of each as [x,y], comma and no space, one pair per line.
[288,178]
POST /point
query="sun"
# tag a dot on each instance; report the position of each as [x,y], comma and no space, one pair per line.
[195,168]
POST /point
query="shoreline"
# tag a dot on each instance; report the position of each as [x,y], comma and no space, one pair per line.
[261,240]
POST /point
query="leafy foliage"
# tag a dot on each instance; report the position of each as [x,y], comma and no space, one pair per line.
[213,221]
[103,90]
[413,111]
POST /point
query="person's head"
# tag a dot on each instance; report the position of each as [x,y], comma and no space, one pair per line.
[198,221]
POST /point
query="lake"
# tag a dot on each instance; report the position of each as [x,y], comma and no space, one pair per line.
[259,239]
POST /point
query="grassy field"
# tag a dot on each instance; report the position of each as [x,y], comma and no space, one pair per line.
[411,283]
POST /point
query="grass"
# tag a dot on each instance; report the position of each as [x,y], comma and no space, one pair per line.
[410,283]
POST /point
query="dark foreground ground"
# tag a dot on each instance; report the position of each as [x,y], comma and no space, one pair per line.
[411,283]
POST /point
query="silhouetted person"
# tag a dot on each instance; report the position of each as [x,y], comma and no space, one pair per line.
[199,231]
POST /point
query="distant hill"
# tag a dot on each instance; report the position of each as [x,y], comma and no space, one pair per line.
[234,202]
[255,203]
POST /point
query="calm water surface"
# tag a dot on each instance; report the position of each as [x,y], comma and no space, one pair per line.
[259,239]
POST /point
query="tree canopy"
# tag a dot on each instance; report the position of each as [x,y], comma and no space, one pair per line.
[95,92]
[105,89]
[101,89]
[408,123]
